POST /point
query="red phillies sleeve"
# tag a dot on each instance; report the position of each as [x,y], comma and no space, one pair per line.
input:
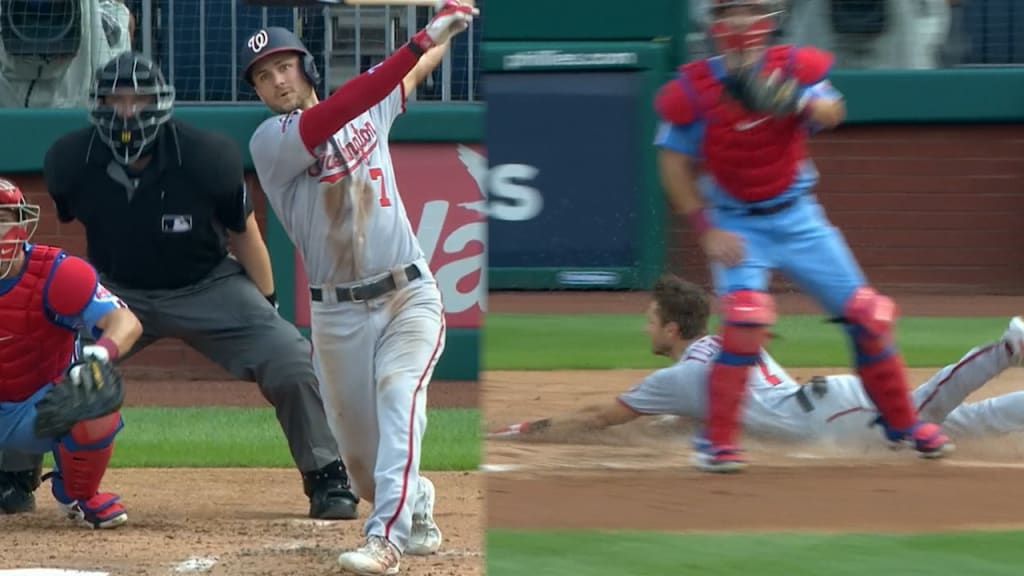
[71,286]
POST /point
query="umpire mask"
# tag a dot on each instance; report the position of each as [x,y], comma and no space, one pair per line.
[129,103]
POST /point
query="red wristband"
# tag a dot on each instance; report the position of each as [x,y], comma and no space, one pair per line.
[109,345]
[699,222]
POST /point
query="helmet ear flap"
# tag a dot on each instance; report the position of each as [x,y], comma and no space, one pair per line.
[309,68]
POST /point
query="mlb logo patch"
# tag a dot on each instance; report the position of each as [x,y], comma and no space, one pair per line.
[176,223]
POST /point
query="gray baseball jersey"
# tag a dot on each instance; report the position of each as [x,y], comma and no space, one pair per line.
[339,202]
[681,389]
[340,206]
[838,411]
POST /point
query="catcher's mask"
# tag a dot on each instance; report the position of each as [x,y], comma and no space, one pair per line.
[128,104]
[18,220]
[742,25]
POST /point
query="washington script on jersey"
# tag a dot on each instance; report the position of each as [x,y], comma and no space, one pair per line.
[330,168]
[446,209]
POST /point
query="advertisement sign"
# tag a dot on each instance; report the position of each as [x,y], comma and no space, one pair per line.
[564,172]
[442,188]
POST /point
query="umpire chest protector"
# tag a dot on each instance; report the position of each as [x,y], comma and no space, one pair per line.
[37,350]
[158,228]
[752,156]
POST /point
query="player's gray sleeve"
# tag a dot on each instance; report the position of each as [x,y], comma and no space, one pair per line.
[987,418]
[388,109]
[949,387]
[278,152]
[679,389]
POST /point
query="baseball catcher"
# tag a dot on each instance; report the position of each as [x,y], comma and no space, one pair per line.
[745,114]
[46,297]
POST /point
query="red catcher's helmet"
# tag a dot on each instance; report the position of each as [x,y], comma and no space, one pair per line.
[738,25]
[14,231]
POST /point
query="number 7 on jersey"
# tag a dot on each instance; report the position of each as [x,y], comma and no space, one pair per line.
[377,175]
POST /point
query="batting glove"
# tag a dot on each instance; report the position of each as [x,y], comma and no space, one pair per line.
[452,17]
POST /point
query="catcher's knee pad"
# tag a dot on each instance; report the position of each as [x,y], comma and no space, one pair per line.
[82,456]
[746,316]
[870,318]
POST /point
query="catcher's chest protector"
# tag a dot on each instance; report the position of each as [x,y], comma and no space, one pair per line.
[34,351]
[753,156]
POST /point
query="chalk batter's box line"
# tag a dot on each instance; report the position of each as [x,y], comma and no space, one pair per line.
[819,462]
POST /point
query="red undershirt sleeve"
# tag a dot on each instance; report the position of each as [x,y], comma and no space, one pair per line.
[354,97]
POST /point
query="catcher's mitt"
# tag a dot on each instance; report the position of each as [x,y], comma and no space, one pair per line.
[90,390]
[770,94]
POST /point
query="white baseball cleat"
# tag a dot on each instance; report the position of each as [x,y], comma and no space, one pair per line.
[377,556]
[425,538]
[1014,338]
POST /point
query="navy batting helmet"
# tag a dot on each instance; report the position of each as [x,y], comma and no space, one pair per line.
[273,40]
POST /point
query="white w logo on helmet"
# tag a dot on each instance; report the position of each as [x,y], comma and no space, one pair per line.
[258,41]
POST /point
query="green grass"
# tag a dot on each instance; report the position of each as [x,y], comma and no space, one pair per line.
[251,437]
[608,341]
[542,553]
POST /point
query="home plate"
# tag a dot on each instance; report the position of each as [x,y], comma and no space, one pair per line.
[196,564]
[501,467]
[49,572]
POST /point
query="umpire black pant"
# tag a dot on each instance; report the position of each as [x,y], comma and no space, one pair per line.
[226,318]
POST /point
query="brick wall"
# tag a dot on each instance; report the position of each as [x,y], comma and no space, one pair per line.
[933,209]
[170,359]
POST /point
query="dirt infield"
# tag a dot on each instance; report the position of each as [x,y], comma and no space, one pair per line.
[238,521]
[252,521]
[639,477]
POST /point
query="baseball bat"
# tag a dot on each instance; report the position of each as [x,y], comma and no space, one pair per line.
[398,2]
[307,3]
[390,2]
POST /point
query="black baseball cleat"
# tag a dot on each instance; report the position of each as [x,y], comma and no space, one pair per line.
[16,489]
[330,494]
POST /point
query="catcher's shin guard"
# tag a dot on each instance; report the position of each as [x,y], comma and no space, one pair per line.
[747,316]
[81,459]
[870,317]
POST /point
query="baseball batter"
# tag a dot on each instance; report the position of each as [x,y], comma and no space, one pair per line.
[830,409]
[46,297]
[744,115]
[376,311]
